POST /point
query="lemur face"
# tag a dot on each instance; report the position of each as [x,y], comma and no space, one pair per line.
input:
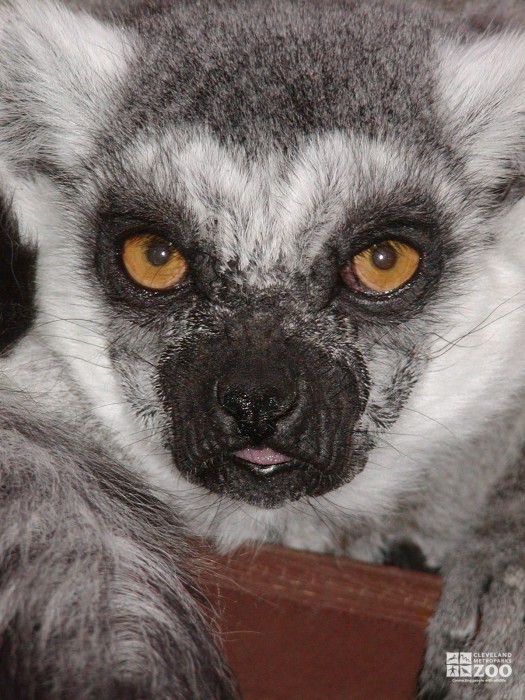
[272,305]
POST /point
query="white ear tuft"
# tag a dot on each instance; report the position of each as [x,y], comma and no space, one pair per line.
[483,92]
[58,72]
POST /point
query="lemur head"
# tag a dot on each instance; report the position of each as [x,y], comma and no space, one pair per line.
[273,233]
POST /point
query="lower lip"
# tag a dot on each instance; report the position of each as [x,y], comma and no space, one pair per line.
[265,471]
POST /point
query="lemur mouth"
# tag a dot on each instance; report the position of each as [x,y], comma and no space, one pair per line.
[262,475]
[263,460]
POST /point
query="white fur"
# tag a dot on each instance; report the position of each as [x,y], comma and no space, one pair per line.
[483,92]
[69,64]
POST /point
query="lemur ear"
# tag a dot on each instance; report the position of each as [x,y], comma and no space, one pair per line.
[58,72]
[483,92]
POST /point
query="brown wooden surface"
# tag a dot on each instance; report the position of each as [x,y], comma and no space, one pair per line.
[305,626]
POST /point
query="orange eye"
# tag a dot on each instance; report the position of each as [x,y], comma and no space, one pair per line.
[382,268]
[152,262]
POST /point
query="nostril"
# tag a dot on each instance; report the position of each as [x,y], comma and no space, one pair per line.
[276,402]
[255,406]
[239,404]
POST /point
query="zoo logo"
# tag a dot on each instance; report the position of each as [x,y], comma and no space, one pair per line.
[480,667]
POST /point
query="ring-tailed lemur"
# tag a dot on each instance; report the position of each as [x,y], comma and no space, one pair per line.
[271,263]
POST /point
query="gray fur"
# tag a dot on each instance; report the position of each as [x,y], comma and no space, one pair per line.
[95,602]
[270,142]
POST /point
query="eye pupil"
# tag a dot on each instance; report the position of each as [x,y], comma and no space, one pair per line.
[384,257]
[158,253]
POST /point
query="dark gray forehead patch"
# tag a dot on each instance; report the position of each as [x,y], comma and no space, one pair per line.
[272,72]
[274,212]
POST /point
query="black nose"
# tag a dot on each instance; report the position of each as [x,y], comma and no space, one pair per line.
[256,410]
